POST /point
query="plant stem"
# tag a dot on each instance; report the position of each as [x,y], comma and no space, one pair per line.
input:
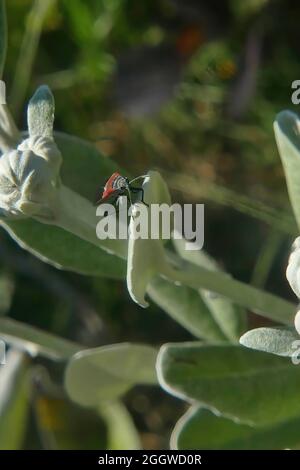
[260,302]
[3,36]
[278,219]
[36,341]
[28,51]
[77,215]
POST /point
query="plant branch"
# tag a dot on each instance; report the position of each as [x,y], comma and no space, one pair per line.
[259,301]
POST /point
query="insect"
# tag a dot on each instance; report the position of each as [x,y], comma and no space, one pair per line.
[118,185]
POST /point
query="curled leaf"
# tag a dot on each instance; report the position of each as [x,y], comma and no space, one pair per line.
[146,257]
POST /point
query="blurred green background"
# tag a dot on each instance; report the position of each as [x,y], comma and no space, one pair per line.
[188,87]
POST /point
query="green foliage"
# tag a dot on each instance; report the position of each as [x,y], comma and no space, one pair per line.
[252,389]
[122,434]
[230,318]
[105,373]
[28,50]
[36,342]
[3,36]
[288,140]
[252,386]
[14,401]
[281,341]
[49,242]
[186,306]
[202,429]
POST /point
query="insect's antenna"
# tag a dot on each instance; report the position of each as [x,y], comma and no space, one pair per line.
[138,178]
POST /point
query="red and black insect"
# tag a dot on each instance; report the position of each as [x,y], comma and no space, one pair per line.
[118,185]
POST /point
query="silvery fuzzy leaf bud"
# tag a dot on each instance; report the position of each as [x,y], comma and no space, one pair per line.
[29,174]
[29,177]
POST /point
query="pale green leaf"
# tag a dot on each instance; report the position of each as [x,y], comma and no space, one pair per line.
[14,400]
[146,256]
[287,133]
[202,429]
[105,373]
[185,306]
[281,341]
[84,170]
[35,341]
[230,318]
[251,386]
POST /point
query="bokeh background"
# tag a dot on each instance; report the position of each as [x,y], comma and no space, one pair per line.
[191,88]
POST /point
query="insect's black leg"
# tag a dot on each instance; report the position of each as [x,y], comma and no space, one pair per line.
[139,190]
[142,198]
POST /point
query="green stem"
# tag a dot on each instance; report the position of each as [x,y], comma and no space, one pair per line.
[3,36]
[256,300]
[36,341]
[28,51]
[280,220]
[78,216]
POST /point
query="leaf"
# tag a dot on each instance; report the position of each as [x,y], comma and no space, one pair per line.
[105,373]
[280,341]
[287,133]
[230,318]
[259,301]
[122,433]
[145,260]
[251,386]
[185,306]
[14,400]
[35,341]
[146,257]
[64,250]
[3,36]
[83,169]
[202,429]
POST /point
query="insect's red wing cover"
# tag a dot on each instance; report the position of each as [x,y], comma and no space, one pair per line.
[109,192]
[108,188]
